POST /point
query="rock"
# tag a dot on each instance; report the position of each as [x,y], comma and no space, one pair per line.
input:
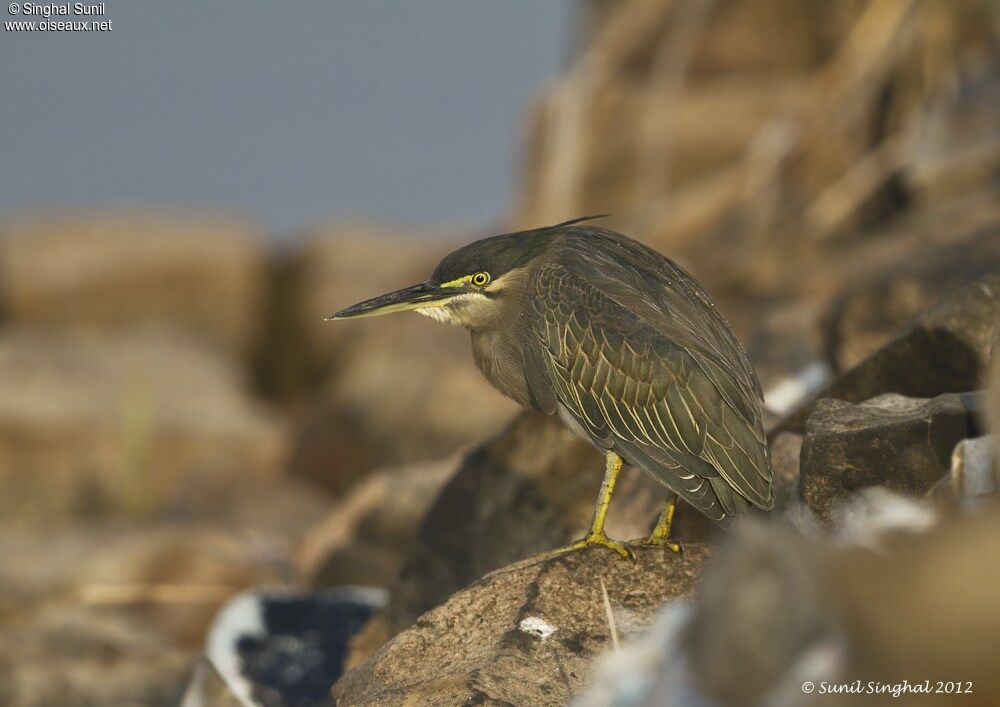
[738,649]
[523,635]
[174,579]
[529,490]
[91,425]
[945,350]
[779,605]
[901,443]
[274,648]
[904,273]
[113,611]
[117,271]
[363,539]
[396,390]
[74,657]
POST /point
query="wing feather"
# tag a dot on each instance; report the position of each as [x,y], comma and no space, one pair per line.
[633,388]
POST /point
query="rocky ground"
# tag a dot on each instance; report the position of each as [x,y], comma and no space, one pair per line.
[197,473]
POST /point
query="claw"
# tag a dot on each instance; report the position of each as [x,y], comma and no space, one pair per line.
[595,539]
[675,546]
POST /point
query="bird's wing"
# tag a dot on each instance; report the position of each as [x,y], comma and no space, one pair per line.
[670,301]
[634,389]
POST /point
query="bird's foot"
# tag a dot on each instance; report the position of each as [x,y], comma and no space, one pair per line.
[657,540]
[595,539]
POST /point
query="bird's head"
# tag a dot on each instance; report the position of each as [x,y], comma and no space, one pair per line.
[469,287]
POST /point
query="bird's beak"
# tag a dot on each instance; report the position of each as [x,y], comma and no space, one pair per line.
[426,294]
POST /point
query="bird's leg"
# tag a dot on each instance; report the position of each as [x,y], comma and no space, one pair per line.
[596,535]
[661,532]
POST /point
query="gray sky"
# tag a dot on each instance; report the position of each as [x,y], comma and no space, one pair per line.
[292,112]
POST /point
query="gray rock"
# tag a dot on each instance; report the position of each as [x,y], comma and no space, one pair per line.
[902,443]
[945,350]
[524,635]
[786,450]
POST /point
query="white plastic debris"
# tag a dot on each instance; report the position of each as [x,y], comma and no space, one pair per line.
[537,626]
[788,393]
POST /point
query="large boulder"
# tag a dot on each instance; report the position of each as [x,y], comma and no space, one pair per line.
[191,276]
[89,425]
[525,634]
[530,489]
[901,443]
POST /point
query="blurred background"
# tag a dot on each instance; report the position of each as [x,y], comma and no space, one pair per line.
[184,198]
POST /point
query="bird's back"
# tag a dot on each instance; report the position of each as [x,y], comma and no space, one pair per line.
[629,347]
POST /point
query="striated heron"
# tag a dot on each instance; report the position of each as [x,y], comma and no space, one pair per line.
[620,343]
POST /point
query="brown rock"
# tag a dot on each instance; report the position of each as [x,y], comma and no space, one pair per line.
[129,425]
[523,635]
[116,271]
[902,443]
[76,658]
[365,536]
[173,580]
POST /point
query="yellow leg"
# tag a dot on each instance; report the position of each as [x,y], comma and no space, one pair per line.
[596,536]
[661,532]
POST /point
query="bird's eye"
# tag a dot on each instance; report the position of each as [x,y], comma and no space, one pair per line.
[481,279]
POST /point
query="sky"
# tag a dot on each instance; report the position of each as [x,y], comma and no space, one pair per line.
[293,112]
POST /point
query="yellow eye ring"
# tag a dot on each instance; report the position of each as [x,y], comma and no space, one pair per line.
[481,279]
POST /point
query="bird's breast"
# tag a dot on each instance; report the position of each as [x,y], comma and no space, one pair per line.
[499,359]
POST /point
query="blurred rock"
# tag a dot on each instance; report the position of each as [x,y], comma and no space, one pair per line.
[529,490]
[778,606]
[111,424]
[189,276]
[277,648]
[739,649]
[76,658]
[904,444]
[945,350]
[209,689]
[365,536]
[907,270]
[398,389]
[786,451]
[523,635]
[103,611]
[918,593]
[173,580]
[973,478]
